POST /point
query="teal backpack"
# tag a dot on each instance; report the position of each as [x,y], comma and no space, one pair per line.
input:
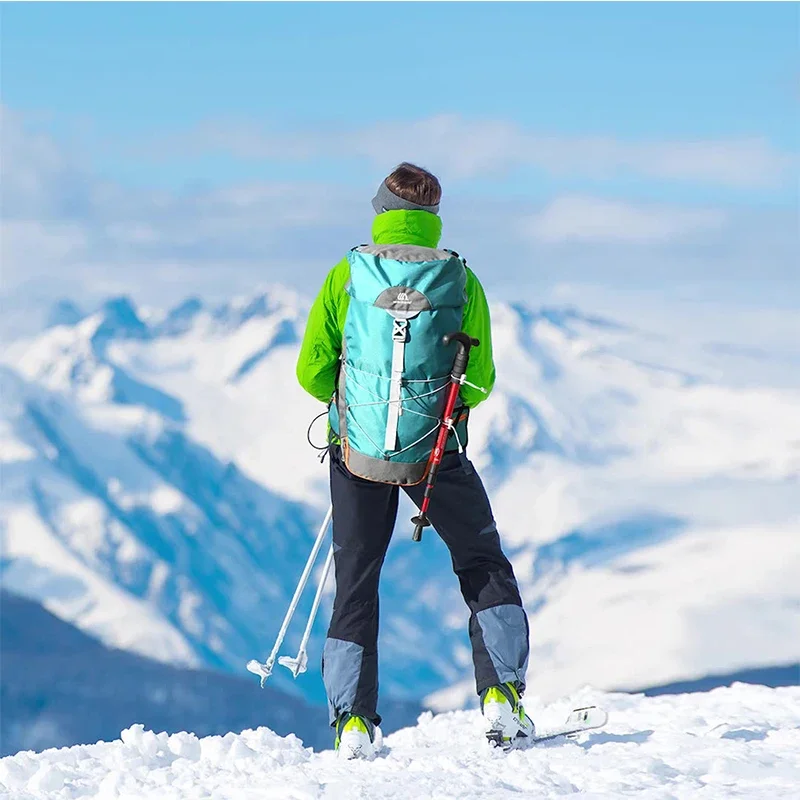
[394,369]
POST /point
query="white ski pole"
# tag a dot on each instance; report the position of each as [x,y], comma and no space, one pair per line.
[300,662]
[265,669]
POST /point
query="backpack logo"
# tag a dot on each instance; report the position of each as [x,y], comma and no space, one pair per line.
[402,299]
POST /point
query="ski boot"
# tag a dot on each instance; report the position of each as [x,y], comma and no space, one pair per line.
[507,725]
[355,737]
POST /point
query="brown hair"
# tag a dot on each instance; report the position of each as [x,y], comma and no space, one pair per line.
[415,184]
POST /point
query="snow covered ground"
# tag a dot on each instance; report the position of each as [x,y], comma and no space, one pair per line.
[737,742]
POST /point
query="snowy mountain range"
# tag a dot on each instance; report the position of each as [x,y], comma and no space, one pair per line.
[61,686]
[160,495]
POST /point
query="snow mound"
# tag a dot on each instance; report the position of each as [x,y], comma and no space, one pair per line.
[741,741]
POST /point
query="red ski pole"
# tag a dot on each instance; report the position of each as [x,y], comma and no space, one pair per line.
[463,343]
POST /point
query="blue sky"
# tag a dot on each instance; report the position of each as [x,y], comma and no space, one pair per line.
[601,143]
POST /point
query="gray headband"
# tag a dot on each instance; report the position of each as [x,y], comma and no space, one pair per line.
[387,200]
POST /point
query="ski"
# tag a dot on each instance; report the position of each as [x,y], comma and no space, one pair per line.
[580,719]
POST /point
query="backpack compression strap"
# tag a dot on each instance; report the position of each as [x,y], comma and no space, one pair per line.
[399,336]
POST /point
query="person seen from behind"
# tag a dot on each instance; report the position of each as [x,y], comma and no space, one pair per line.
[373,351]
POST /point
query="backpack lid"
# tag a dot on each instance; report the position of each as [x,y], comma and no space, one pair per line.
[423,278]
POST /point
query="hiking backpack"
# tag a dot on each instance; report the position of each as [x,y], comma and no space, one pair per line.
[394,369]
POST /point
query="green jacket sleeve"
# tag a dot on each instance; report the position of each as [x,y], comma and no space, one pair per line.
[318,362]
[478,324]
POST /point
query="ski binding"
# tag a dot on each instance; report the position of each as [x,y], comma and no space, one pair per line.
[579,720]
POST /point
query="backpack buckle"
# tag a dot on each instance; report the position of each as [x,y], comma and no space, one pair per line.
[399,330]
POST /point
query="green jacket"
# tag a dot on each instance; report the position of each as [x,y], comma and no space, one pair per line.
[318,363]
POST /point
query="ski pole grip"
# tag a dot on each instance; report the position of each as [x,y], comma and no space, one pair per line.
[463,344]
[421,522]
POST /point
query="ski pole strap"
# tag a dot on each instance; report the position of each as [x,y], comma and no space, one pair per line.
[465,382]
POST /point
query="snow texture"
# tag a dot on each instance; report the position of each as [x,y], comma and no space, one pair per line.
[738,742]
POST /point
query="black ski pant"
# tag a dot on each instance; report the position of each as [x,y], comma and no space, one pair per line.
[364,515]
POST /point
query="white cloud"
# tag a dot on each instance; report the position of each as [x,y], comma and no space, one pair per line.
[51,241]
[592,219]
[471,148]
[68,233]
[60,218]
[40,179]
[463,148]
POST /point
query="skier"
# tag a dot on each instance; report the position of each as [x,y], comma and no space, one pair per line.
[345,358]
